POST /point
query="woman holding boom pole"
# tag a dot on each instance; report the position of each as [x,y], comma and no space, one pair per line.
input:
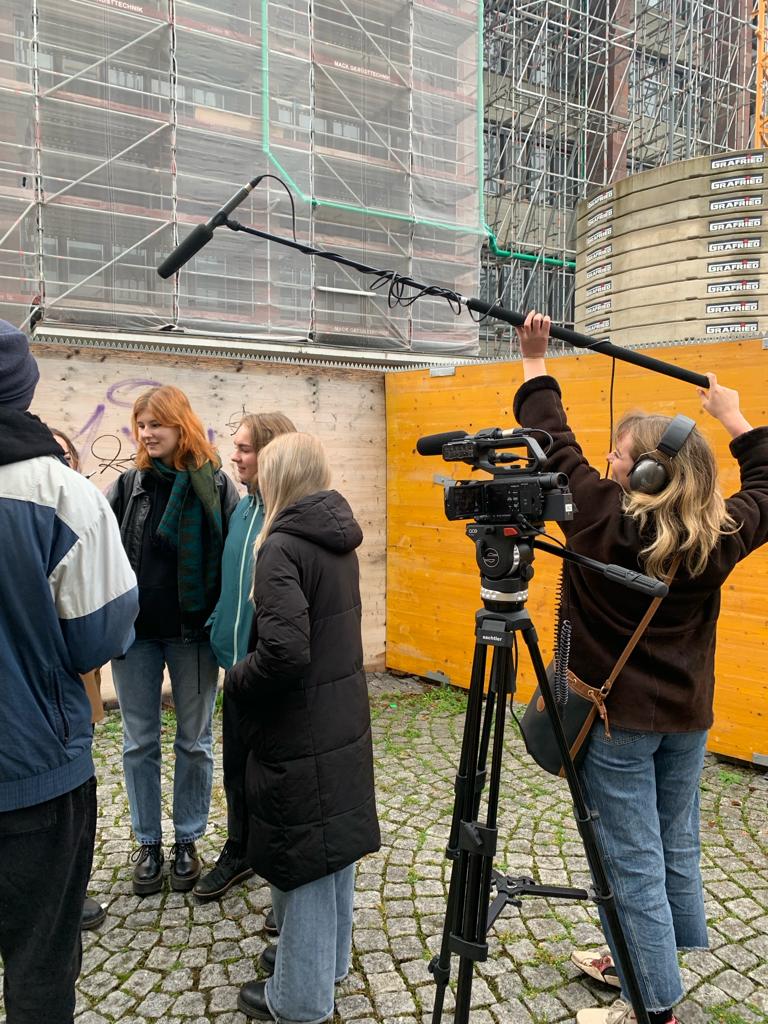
[664,515]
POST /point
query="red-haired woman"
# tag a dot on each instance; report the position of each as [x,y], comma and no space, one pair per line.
[173,511]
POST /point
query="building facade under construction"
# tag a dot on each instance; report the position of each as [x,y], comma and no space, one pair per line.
[124,124]
[445,141]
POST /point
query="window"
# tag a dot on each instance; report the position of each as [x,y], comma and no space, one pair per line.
[647,87]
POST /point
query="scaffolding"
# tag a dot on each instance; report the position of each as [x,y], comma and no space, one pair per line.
[581,93]
[125,122]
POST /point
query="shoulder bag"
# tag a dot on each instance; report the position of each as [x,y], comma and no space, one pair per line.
[579,712]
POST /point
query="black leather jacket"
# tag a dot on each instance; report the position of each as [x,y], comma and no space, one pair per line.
[131,503]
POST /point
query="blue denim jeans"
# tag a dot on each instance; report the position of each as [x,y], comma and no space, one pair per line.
[315,923]
[138,679]
[645,787]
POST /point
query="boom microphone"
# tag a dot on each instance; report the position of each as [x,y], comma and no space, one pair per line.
[184,251]
[432,444]
[203,233]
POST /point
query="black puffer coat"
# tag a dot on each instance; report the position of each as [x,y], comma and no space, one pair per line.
[303,700]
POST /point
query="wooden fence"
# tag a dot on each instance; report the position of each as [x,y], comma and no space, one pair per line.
[432,579]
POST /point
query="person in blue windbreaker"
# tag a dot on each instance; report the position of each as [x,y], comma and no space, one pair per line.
[68,601]
[230,625]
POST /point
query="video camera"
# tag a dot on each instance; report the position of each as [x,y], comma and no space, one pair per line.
[521,495]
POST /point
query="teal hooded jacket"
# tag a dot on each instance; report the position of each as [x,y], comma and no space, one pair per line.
[231,619]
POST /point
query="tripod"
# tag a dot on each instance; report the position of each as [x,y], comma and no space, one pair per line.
[505,555]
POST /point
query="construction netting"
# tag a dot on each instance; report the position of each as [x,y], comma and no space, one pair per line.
[124,124]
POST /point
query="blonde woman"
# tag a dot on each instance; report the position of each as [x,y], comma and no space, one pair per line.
[643,777]
[303,702]
[230,626]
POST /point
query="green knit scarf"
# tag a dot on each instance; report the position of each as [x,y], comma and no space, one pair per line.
[191,525]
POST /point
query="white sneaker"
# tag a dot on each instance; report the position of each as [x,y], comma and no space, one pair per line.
[618,1013]
[598,964]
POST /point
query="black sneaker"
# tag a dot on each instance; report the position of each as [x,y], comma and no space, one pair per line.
[230,868]
[148,873]
[185,866]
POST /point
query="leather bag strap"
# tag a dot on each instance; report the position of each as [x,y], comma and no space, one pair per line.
[641,628]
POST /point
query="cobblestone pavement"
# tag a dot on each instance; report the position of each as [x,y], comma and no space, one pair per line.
[170,958]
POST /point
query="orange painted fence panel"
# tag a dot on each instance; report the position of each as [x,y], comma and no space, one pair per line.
[432,580]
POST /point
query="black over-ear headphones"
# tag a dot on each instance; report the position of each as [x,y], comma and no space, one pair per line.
[650,473]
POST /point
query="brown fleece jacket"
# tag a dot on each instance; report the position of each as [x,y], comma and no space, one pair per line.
[668,683]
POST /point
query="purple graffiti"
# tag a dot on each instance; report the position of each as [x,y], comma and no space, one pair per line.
[115,395]
[115,391]
[90,428]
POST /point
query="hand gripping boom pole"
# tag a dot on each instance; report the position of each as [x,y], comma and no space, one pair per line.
[586,341]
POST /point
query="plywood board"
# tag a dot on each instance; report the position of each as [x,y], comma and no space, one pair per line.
[89,394]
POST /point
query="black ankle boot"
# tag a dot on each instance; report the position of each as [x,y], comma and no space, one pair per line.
[185,867]
[93,914]
[252,1001]
[230,868]
[267,959]
[148,873]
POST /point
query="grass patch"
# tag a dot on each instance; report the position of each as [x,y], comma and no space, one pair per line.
[442,699]
[726,1013]
[112,724]
[448,699]
[421,839]
[168,718]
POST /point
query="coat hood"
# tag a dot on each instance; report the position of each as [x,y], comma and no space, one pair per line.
[324,518]
[23,436]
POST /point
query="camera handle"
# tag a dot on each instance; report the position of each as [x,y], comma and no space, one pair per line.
[472,843]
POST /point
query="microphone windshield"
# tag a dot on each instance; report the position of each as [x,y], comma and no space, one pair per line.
[185,250]
[432,444]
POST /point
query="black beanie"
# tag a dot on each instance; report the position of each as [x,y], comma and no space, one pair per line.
[18,369]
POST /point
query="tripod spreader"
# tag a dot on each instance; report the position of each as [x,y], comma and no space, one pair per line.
[511,889]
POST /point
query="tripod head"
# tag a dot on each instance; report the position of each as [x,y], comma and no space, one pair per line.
[504,556]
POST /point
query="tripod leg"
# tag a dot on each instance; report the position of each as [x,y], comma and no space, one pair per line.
[480,854]
[468,787]
[585,819]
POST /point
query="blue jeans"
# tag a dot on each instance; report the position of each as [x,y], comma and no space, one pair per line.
[138,679]
[315,923]
[645,787]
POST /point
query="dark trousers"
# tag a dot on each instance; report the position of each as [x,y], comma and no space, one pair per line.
[234,755]
[46,853]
